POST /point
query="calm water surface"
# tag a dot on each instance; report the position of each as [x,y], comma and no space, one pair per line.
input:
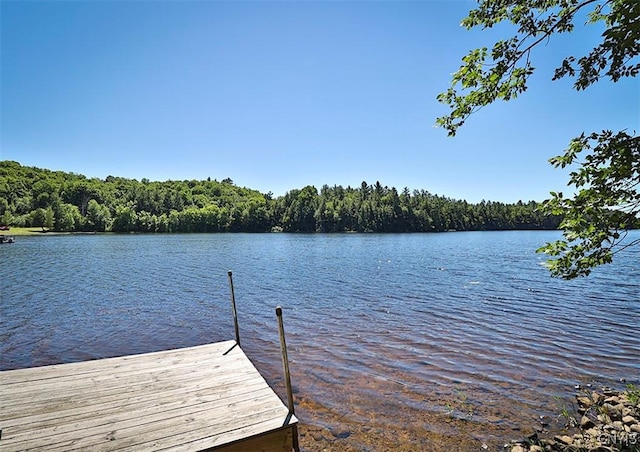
[397,342]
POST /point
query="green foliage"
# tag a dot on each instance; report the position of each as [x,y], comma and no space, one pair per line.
[68,218]
[633,393]
[606,202]
[38,217]
[70,202]
[568,413]
[98,216]
[49,218]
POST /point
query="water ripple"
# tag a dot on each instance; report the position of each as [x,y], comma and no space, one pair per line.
[416,316]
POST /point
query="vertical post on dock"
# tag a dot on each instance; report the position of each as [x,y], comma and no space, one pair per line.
[285,361]
[287,376]
[233,308]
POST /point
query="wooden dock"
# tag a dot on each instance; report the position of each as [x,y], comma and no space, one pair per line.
[208,397]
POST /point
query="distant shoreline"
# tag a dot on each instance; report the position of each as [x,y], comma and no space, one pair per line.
[15,231]
[38,232]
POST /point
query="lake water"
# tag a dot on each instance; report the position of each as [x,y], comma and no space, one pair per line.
[396,342]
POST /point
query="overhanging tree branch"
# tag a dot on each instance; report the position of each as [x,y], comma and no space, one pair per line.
[606,181]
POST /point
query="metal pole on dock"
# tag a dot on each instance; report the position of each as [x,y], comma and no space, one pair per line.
[285,361]
[287,376]
[233,307]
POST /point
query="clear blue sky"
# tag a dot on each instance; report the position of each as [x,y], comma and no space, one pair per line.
[279,95]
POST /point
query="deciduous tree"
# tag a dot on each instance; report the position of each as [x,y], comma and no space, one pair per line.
[605,201]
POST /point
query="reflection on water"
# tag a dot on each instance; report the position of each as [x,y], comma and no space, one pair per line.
[397,342]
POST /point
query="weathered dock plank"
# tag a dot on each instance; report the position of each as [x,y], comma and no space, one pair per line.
[197,398]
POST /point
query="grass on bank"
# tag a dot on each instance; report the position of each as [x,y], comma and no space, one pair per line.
[26,231]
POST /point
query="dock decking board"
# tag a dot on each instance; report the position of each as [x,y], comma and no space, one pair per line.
[197,398]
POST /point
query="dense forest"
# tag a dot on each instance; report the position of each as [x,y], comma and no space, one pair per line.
[61,201]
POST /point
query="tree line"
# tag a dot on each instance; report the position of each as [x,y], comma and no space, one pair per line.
[69,202]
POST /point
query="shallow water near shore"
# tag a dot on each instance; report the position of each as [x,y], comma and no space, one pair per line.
[397,342]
